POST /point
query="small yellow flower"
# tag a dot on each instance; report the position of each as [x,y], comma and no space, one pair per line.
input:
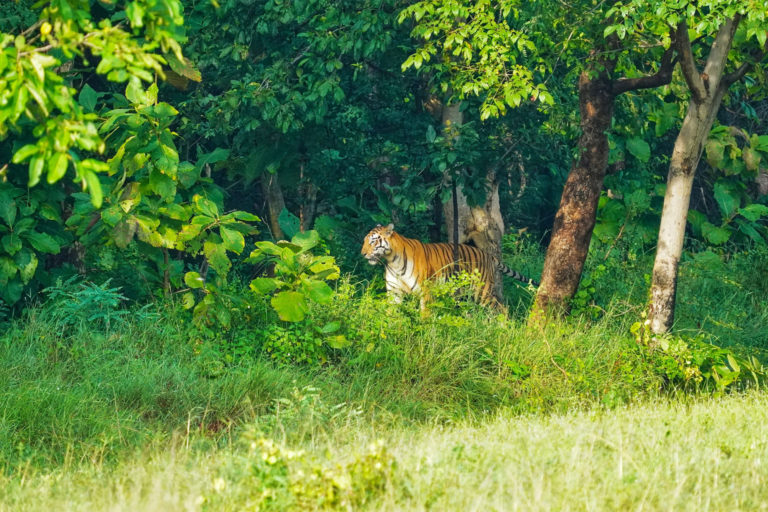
[45,28]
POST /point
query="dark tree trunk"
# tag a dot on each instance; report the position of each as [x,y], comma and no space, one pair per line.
[273,194]
[575,218]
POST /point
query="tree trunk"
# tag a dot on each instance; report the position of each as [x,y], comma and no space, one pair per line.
[707,91]
[480,225]
[575,218]
[273,194]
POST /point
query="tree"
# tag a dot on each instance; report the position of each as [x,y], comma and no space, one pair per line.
[598,88]
[707,87]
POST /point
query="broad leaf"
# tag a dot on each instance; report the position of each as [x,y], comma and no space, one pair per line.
[714,234]
[290,306]
[318,291]
[639,149]
[194,280]
[233,240]
[754,211]
[727,197]
[289,223]
[42,242]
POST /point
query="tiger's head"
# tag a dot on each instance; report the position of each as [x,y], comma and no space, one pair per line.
[377,245]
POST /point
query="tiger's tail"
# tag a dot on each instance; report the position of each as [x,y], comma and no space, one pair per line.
[517,275]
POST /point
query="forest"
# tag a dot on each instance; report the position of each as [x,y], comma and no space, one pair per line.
[187,321]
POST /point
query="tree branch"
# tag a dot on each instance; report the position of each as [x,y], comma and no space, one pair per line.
[688,65]
[737,75]
[718,56]
[662,77]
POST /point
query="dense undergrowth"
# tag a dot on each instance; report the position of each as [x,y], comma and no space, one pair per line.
[86,380]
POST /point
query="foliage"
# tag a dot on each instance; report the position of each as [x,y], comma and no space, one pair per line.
[55,130]
[300,276]
[71,303]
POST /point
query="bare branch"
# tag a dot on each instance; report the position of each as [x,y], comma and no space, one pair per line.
[662,77]
[737,75]
[688,65]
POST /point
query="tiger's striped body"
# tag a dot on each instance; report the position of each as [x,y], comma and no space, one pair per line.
[408,263]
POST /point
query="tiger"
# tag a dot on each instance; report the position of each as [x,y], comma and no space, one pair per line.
[408,263]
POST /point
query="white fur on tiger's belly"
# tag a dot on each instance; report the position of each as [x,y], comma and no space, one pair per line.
[402,284]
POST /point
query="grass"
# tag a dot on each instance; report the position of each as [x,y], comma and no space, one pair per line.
[115,409]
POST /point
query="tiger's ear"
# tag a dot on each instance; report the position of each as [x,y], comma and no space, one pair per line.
[390,228]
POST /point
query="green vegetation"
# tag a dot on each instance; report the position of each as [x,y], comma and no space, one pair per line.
[186,321]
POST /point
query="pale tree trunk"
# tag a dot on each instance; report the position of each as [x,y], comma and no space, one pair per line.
[273,195]
[576,215]
[481,225]
[707,91]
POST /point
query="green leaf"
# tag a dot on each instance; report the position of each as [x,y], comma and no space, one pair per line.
[754,211]
[206,206]
[57,167]
[338,342]
[330,327]
[24,153]
[715,150]
[639,149]
[27,262]
[88,98]
[233,240]
[318,291]
[8,270]
[290,306]
[94,187]
[11,243]
[714,234]
[42,242]
[245,216]
[289,223]
[708,260]
[306,240]
[11,292]
[188,300]
[194,280]
[217,258]
[266,285]
[727,197]
[36,170]
[7,210]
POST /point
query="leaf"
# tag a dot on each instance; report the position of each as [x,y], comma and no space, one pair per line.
[289,223]
[11,292]
[754,211]
[24,152]
[36,170]
[266,285]
[42,242]
[338,342]
[306,240]
[318,291]
[27,262]
[639,149]
[290,306]
[206,206]
[94,187]
[88,98]
[8,269]
[715,150]
[330,327]
[57,167]
[11,243]
[194,280]
[714,234]
[7,209]
[188,300]
[727,198]
[245,216]
[233,240]
[216,255]
[186,68]
[708,260]
[431,134]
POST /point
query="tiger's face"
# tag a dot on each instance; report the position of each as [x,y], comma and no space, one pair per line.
[376,245]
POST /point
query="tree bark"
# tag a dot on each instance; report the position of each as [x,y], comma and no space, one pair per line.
[575,218]
[480,225]
[273,194]
[707,91]
[576,215]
